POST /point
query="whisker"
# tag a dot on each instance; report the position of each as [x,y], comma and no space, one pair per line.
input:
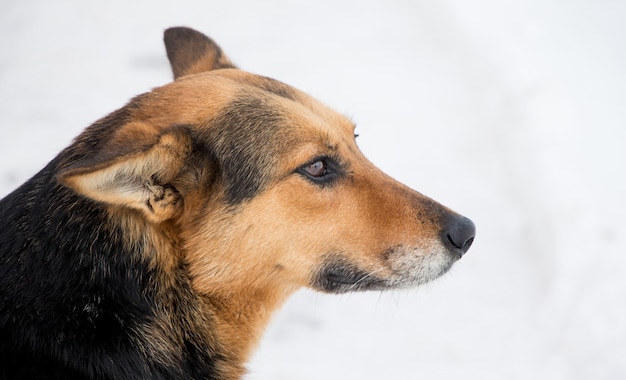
[367,275]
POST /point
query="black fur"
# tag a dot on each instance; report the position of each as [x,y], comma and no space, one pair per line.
[75,296]
[338,276]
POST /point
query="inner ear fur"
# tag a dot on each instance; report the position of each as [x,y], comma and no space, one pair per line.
[142,179]
[191,52]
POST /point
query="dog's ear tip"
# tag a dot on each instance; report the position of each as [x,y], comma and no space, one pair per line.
[175,29]
[175,33]
[190,52]
[61,177]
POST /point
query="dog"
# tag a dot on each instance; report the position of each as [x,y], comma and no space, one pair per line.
[158,244]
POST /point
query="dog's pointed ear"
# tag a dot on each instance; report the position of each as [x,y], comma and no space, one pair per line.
[144,178]
[191,52]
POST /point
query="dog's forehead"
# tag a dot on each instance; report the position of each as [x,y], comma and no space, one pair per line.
[197,99]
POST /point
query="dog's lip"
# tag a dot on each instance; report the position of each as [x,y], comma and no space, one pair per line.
[336,283]
[342,278]
[339,276]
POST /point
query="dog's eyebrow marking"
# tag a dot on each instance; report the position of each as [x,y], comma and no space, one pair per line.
[248,152]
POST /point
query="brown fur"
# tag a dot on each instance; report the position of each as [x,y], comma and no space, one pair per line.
[205,174]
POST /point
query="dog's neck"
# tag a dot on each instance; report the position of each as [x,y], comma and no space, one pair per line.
[241,315]
[238,306]
[240,291]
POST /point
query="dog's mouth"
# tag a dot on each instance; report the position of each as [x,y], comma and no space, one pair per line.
[405,269]
[338,276]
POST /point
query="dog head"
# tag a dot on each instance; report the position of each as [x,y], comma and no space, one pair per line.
[261,187]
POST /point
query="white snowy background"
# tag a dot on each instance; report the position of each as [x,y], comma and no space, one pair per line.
[511,112]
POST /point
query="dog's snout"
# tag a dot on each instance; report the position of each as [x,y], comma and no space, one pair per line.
[458,234]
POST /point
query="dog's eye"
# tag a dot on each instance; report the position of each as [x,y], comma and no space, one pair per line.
[316,169]
[322,171]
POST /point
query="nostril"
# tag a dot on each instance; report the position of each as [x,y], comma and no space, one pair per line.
[452,241]
[460,234]
[467,244]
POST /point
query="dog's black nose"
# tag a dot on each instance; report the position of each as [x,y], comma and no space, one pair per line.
[458,234]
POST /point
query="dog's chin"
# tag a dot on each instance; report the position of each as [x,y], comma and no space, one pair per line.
[340,276]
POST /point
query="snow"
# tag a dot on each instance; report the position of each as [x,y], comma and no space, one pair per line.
[511,112]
